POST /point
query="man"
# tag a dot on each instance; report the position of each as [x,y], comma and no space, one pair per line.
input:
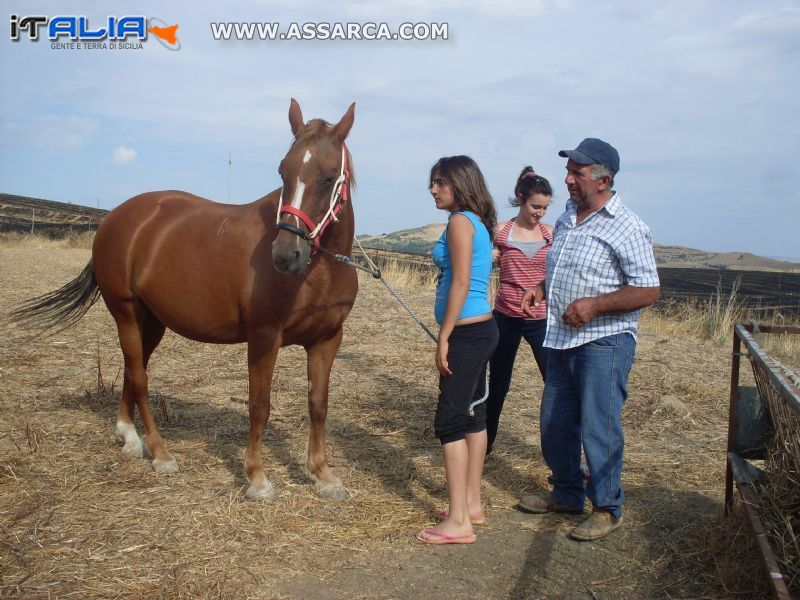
[600,272]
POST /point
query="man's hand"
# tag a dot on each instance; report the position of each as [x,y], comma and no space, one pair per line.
[626,299]
[533,297]
[580,312]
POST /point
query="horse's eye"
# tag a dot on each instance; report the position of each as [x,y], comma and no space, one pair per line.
[327,180]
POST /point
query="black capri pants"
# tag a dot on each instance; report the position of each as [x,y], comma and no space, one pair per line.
[470,347]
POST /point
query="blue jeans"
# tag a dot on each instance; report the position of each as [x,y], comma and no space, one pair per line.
[501,365]
[582,401]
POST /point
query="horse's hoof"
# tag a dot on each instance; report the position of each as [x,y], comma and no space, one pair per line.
[133,449]
[267,493]
[332,491]
[126,434]
[165,467]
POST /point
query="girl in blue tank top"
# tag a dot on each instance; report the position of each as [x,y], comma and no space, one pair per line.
[477,301]
[467,337]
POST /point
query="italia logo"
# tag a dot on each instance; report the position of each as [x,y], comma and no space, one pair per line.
[129,30]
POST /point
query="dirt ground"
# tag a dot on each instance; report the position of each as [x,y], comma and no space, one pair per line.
[78,520]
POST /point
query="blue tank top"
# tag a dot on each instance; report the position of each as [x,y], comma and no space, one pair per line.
[477,302]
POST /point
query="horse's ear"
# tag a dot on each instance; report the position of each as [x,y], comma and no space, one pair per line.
[342,128]
[295,116]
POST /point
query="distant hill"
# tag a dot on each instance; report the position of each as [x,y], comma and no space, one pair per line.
[56,218]
[420,240]
[680,257]
[413,241]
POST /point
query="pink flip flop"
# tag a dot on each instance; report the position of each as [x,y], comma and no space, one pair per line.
[439,538]
[441,515]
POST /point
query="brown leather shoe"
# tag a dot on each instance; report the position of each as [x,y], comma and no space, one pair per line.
[539,505]
[599,524]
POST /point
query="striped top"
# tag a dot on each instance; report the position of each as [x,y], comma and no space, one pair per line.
[519,273]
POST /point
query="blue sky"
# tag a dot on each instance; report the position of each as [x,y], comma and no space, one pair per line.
[700,98]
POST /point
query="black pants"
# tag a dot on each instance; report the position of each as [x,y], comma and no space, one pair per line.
[512,330]
[470,347]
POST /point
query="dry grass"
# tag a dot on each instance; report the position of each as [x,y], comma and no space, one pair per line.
[723,313]
[714,319]
[76,519]
[408,275]
[722,555]
[38,241]
[783,347]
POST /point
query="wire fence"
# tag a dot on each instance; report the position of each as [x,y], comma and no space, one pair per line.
[773,490]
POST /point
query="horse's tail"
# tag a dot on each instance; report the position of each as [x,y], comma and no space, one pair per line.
[61,308]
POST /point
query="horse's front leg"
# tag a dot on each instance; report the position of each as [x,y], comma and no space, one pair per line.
[262,351]
[320,360]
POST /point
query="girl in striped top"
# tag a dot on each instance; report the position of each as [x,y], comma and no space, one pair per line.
[521,247]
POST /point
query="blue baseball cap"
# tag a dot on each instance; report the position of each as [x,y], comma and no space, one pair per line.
[593,151]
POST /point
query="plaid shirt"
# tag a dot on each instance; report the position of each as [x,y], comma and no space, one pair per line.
[609,249]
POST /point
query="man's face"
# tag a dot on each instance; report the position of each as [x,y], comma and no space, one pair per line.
[582,190]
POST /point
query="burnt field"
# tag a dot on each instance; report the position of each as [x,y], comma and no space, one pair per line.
[764,292]
[760,290]
[46,217]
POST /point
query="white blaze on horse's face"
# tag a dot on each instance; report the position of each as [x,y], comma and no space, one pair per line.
[300,187]
[297,200]
[291,253]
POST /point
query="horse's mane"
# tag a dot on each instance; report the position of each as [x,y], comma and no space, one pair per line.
[316,129]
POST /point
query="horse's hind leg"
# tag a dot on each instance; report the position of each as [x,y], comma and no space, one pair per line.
[152,330]
[320,361]
[139,334]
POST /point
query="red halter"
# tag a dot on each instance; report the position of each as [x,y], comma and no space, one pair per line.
[340,193]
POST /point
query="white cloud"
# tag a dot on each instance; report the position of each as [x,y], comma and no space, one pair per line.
[123,155]
[52,132]
[754,45]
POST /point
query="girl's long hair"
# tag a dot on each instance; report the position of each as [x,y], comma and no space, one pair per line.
[469,187]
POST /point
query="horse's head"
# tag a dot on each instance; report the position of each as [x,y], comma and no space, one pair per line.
[316,184]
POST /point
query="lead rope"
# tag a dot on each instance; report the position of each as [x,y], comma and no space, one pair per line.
[373,270]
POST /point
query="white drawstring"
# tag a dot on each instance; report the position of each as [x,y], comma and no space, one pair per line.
[482,400]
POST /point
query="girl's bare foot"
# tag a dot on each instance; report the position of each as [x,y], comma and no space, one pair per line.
[476,517]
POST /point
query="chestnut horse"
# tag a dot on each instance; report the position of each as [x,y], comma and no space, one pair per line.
[227,274]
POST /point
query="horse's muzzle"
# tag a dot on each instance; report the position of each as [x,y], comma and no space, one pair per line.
[290,254]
